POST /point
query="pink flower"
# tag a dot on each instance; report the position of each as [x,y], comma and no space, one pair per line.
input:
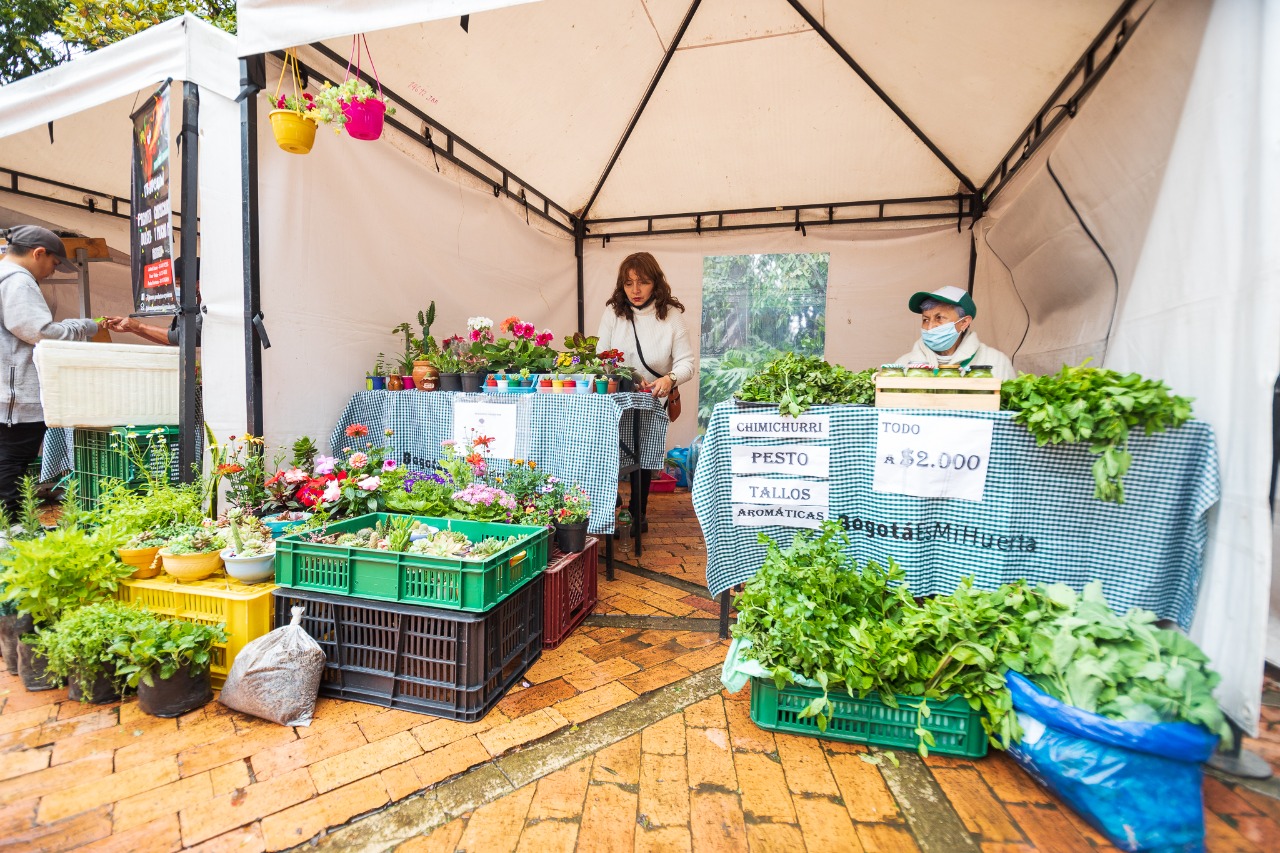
[324,465]
[296,475]
[389,465]
[358,460]
[448,442]
[332,491]
[370,484]
[545,338]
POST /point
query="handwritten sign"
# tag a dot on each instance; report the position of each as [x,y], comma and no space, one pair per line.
[765,425]
[492,420]
[804,460]
[932,457]
[758,515]
[788,492]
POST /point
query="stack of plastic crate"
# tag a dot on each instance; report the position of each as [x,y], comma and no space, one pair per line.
[436,635]
[99,455]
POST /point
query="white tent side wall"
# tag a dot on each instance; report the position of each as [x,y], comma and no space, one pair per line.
[1163,166]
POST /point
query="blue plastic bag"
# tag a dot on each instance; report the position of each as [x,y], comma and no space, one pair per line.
[1137,783]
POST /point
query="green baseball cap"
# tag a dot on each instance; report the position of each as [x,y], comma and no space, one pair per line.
[951,295]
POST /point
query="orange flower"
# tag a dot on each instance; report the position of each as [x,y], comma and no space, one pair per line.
[230,468]
[475,459]
[357,430]
[505,325]
[482,441]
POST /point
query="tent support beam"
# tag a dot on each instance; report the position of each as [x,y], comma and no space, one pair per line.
[253,71]
[1065,100]
[579,240]
[190,308]
[939,208]
[92,201]
[880,93]
[503,181]
[644,102]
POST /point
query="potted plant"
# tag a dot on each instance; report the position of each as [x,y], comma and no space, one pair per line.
[193,554]
[570,510]
[376,380]
[282,522]
[28,527]
[472,365]
[424,350]
[405,365]
[449,361]
[141,551]
[78,650]
[355,105]
[87,571]
[611,366]
[250,558]
[168,662]
[293,123]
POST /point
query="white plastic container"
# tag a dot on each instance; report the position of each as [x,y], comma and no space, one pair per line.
[84,384]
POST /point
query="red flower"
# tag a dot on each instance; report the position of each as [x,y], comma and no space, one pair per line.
[275,478]
[357,431]
[310,494]
[230,469]
[483,441]
[475,459]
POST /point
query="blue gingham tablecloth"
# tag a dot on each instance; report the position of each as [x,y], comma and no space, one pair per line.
[577,437]
[1148,552]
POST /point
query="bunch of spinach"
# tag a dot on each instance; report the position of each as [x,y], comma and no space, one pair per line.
[1122,667]
[1095,406]
[796,382]
[811,612]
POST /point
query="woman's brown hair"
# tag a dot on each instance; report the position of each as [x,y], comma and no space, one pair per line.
[645,266]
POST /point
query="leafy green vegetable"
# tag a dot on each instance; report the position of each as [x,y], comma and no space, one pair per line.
[796,382]
[1122,667]
[154,647]
[1098,407]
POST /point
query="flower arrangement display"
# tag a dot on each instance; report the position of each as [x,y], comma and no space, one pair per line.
[300,104]
[240,462]
[566,504]
[482,502]
[526,350]
[331,103]
[611,364]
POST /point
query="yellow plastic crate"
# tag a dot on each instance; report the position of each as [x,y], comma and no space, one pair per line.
[245,609]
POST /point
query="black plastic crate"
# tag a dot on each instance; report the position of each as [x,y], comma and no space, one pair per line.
[446,663]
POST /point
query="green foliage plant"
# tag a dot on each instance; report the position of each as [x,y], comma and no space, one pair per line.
[156,648]
[796,382]
[66,568]
[330,99]
[25,45]
[97,23]
[1097,407]
[195,539]
[78,647]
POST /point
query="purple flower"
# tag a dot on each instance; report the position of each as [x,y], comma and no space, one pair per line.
[324,464]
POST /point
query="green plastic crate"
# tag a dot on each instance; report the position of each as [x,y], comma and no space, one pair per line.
[472,585]
[99,455]
[956,728]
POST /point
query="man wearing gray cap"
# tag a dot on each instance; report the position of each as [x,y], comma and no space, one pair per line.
[33,254]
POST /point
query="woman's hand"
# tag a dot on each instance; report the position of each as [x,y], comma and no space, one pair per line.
[662,386]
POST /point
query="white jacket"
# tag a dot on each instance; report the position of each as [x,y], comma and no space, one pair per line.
[665,343]
[970,351]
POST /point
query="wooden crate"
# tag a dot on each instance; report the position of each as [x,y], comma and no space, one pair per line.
[913,392]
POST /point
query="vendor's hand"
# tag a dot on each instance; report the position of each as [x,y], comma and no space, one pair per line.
[120,324]
[662,386]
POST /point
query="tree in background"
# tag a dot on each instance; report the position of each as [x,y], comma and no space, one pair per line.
[98,23]
[28,43]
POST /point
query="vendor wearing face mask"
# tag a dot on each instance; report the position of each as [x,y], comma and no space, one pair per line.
[946,334]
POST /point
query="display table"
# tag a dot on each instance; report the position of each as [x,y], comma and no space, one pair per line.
[1038,518]
[582,438]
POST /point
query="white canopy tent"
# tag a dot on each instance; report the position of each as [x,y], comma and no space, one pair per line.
[532,150]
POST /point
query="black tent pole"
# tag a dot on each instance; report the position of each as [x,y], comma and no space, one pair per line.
[187,417]
[252,80]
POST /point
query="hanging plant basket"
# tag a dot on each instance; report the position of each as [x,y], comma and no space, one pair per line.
[364,118]
[294,132]
[354,103]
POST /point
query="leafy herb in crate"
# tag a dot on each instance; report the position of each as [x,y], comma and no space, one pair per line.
[1122,667]
[1098,407]
[796,382]
[811,612]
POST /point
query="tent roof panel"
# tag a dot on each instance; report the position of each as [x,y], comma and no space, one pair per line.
[772,121]
[720,21]
[970,75]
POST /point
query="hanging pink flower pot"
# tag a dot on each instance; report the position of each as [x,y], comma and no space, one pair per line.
[364,118]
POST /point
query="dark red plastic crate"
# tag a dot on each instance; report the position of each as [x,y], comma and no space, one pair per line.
[446,663]
[571,592]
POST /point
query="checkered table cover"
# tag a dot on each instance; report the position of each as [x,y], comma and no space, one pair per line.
[1148,552]
[574,436]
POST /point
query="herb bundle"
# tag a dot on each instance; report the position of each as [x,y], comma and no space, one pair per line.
[796,382]
[1095,406]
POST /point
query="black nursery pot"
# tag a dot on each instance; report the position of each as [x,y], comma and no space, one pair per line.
[9,642]
[471,383]
[101,690]
[571,538]
[31,666]
[175,695]
[626,385]
[449,382]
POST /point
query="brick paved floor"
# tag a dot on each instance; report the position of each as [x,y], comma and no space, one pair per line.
[112,778]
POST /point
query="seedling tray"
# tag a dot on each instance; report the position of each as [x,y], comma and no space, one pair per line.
[571,592]
[472,585]
[423,659]
[956,728]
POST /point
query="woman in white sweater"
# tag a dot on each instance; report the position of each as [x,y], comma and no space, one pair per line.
[640,321]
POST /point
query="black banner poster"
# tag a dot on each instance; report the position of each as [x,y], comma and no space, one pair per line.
[151,245]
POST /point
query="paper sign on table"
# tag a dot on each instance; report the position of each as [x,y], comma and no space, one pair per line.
[932,457]
[804,460]
[492,420]
[759,515]
[765,425]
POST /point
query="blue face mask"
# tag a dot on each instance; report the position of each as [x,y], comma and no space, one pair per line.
[940,338]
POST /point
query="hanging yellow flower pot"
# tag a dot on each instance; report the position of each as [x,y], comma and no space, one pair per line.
[294,132]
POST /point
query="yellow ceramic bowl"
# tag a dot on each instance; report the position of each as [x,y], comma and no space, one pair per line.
[142,559]
[191,567]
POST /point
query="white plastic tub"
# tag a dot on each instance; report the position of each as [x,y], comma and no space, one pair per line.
[84,384]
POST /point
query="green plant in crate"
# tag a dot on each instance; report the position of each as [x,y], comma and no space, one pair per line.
[78,647]
[154,647]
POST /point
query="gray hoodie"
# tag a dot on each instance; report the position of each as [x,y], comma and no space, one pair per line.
[25,320]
